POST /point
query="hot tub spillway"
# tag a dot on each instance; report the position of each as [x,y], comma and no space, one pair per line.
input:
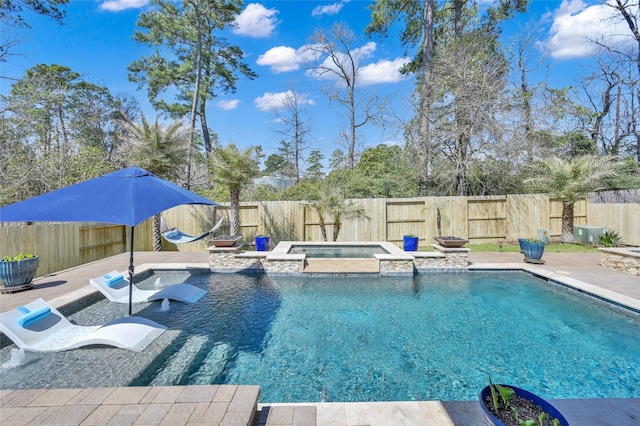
[341,266]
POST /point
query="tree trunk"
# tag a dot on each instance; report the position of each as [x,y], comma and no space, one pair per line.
[428,48]
[234,207]
[567,224]
[157,236]
[323,229]
[336,230]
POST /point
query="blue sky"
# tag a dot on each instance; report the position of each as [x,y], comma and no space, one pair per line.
[96,41]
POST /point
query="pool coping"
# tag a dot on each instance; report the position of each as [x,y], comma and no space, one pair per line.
[281,251]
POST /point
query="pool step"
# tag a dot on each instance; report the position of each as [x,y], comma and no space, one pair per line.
[341,266]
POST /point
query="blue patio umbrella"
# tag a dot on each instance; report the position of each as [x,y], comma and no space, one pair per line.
[125,197]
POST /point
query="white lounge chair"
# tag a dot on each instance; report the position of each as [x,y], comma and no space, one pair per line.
[39,327]
[115,287]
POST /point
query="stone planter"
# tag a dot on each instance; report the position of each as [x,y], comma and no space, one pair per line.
[18,275]
[230,242]
[451,242]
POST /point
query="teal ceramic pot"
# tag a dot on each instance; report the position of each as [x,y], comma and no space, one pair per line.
[18,273]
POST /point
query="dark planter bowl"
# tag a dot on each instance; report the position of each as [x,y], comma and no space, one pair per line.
[262,243]
[546,406]
[18,273]
[224,243]
[451,242]
[410,243]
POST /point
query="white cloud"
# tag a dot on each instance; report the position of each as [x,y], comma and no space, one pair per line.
[576,26]
[118,5]
[229,104]
[277,101]
[329,9]
[383,71]
[256,21]
[284,58]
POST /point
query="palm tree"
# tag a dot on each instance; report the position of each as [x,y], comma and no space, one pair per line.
[338,209]
[234,170]
[161,150]
[571,180]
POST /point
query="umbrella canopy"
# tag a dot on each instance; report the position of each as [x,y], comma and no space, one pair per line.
[125,197]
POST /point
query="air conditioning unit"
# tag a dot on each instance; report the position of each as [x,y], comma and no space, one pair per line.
[588,234]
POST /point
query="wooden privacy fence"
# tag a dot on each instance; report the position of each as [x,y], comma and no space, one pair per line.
[478,219]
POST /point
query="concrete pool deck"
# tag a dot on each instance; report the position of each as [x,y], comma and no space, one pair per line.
[57,407]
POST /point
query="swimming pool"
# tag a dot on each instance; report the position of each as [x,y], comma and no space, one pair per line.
[436,336]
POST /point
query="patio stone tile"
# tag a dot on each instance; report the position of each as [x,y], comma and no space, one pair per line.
[215,412]
[23,397]
[91,396]
[179,414]
[280,415]
[5,394]
[225,393]
[198,412]
[55,397]
[153,414]
[101,415]
[304,416]
[151,395]
[168,394]
[237,418]
[332,414]
[245,398]
[17,416]
[133,408]
[130,395]
[65,415]
[198,393]
[122,420]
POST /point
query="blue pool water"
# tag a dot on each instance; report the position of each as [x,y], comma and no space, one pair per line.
[436,336]
[342,251]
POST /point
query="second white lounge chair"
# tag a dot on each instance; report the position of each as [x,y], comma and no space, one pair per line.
[115,287]
[39,327]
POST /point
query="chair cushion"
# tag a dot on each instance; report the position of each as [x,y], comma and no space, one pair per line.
[112,280]
[33,316]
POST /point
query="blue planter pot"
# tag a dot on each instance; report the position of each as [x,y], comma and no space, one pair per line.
[18,273]
[532,250]
[262,243]
[545,405]
[410,243]
[520,241]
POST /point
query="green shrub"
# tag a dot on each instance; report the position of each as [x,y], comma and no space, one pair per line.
[21,256]
[610,239]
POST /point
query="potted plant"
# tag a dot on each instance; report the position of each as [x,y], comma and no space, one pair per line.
[532,248]
[410,242]
[262,242]
[505,405]
[16,273]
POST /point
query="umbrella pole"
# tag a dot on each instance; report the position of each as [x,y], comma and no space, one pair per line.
[131,272]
